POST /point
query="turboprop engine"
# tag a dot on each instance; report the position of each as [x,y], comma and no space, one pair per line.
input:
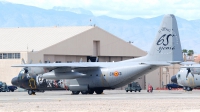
[62,75]
[195,70]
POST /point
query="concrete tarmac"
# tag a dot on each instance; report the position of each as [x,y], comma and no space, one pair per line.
[109,101]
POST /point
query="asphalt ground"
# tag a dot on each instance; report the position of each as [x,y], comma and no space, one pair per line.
[109,101]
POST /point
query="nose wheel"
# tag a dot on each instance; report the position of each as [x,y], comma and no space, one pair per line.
[189,89]
[31,92]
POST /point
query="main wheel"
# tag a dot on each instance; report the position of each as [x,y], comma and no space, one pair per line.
[84,92]
[170,88]
[75,92]
[139,90]
[188,89]
[99,91]
[126,90]
[30,92]
[91,91]
[136,90]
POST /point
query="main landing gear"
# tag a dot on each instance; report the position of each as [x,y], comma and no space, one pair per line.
[187,88]
[91,91]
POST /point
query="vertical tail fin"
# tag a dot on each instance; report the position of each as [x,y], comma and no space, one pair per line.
[167,46]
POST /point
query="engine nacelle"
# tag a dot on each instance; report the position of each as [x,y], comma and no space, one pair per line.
[63,75]
[195,70]
[35,70]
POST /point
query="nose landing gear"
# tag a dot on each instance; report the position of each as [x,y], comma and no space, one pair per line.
[31,92]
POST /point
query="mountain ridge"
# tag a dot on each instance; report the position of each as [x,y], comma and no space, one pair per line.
[141,31]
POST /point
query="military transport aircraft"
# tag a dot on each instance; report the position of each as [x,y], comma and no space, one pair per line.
[90,77]
[188,77]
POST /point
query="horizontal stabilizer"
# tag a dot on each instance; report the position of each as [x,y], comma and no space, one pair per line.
[157,63]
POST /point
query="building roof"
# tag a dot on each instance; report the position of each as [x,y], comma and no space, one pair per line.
[37,38]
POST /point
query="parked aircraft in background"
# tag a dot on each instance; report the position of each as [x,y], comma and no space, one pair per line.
[95,77]
[188,77]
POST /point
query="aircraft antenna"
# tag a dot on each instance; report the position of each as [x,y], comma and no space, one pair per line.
[90,22]
[27,47]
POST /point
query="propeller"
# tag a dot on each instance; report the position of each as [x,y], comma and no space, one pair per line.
[188,72]
[26,68]
[188,68]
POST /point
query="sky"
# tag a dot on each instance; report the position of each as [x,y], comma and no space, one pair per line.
[125,9]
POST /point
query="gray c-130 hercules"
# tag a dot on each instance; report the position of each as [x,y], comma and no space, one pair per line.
[90,77]
[188,76]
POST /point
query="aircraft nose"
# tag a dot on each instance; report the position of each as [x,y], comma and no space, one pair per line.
[174,79]
[14,81]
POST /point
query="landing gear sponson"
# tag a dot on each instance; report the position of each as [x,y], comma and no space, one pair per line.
[90,91]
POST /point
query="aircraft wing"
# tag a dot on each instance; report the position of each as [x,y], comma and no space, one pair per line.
[61,65]
[192,66]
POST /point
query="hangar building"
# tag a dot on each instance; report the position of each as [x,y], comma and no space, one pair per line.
[65,44]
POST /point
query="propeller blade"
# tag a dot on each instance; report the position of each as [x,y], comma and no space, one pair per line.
[40,61]
[30,61]
[23,62]
[97,59]
[188,72]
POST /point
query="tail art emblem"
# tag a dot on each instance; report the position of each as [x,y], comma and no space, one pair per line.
[164,40]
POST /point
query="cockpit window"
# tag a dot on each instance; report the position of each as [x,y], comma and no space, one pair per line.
[22,72]
[179,76]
